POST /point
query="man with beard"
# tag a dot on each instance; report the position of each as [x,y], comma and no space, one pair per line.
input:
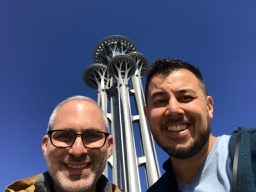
[179,112]
[76,148]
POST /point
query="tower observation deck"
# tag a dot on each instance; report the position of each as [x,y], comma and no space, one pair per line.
[117,77]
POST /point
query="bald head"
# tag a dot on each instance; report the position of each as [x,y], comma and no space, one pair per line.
[77,102]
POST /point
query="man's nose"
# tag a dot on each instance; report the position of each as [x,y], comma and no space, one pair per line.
[174,108]
[78,148]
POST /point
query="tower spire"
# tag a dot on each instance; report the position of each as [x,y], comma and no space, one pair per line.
[116,75]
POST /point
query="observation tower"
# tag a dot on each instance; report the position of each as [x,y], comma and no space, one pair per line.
[116,75]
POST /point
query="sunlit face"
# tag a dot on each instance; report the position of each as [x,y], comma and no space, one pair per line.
[77,168]
[179,113]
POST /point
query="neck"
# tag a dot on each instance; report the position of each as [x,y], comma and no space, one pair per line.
[186,169]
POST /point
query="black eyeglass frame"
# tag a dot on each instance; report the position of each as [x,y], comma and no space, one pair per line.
[106,134]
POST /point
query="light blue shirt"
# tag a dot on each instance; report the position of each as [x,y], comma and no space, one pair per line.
[215,174]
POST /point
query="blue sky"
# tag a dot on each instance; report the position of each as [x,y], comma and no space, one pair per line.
[46,45]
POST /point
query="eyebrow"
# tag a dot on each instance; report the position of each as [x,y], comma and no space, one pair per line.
[90,129]
[162,93]
[157,94]
[184,91]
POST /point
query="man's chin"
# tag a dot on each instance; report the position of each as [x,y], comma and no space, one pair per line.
[75,183]
[180,153]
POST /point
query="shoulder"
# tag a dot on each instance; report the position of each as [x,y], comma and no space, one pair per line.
[159,184]
[103,184]
[23,184]
[247,136]
[167,181]
[243,143]
[115,188]
[164,184]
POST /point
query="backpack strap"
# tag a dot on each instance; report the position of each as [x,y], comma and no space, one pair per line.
[235,162]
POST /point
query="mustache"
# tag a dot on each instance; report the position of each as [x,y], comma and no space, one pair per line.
[174,120]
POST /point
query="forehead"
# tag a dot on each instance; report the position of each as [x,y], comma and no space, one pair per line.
[79,113]
[179,77]
[78,105]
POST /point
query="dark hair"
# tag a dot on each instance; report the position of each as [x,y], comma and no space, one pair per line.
[165,66]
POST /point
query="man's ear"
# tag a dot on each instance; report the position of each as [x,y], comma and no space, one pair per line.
[146,111]
[210,106]
[44,144]
[110,145]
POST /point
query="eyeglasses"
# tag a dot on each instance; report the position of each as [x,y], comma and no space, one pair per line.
[91,139]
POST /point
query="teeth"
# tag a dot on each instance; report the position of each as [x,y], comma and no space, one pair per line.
[177,127]
[77,166]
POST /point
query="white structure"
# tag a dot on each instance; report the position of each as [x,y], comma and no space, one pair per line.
[116,75]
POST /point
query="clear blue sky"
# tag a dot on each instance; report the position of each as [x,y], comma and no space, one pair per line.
[46,45]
